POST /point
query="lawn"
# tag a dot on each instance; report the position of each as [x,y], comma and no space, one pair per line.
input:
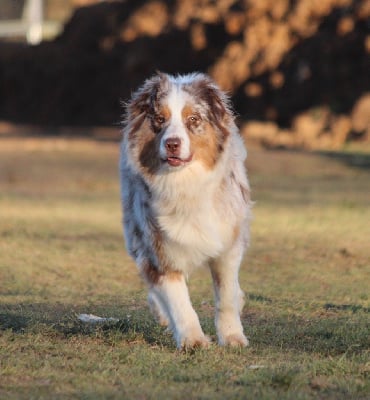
[306,278]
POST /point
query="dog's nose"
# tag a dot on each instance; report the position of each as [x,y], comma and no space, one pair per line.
[172,144]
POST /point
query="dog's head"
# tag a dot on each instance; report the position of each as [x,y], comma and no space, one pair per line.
[173,122]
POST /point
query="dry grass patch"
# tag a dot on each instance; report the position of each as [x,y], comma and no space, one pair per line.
[306,279]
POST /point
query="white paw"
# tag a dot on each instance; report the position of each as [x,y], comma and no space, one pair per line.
[234,340]
[193,342]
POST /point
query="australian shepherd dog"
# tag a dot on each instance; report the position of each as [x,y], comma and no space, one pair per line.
[186,201]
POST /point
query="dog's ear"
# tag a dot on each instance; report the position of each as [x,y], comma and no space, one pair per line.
[216,100]
[144,100]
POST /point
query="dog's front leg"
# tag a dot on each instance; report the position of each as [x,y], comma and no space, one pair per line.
[173,299]
[229,298]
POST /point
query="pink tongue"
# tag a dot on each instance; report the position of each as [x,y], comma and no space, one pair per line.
[174,162]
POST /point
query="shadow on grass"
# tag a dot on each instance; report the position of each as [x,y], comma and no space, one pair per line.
[133,324]
[258,298]
[352,159]
[346,307]
[336,329]
[14,322]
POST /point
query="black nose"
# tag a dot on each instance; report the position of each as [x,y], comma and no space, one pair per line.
[172,144]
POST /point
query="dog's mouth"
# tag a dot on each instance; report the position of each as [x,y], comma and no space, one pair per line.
[177,161]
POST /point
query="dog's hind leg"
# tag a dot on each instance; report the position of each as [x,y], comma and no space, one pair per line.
[229,298]
[171,294]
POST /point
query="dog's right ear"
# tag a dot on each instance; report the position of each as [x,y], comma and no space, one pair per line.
[144,100]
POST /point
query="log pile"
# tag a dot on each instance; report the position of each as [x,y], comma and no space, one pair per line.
[298,70]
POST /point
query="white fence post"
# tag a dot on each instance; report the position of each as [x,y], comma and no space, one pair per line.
[30,24]
[35,20]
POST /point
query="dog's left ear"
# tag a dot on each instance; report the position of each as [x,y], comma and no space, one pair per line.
[216,102]
[216,99]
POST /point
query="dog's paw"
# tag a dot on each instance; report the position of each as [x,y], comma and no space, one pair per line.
[194,342]
[235,340]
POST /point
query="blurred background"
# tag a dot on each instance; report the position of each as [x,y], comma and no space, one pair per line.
[298,71]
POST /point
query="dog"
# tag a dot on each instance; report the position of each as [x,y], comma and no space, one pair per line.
[186,201]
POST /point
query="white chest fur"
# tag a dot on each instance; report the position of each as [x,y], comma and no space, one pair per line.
[195,225]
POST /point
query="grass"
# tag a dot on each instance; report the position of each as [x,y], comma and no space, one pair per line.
[306,278]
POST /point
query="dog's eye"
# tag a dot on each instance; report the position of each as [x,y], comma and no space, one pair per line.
[194,119]
[159,119]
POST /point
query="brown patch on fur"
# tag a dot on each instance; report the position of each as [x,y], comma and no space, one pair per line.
[160,115]
[188,112]
[174,276]
[149,158]
[151,273]
[164,110]
[153,276]
[216,277]
[146,144]
[207,146]
[157,244]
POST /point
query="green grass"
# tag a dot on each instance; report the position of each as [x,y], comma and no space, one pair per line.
[306,278]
